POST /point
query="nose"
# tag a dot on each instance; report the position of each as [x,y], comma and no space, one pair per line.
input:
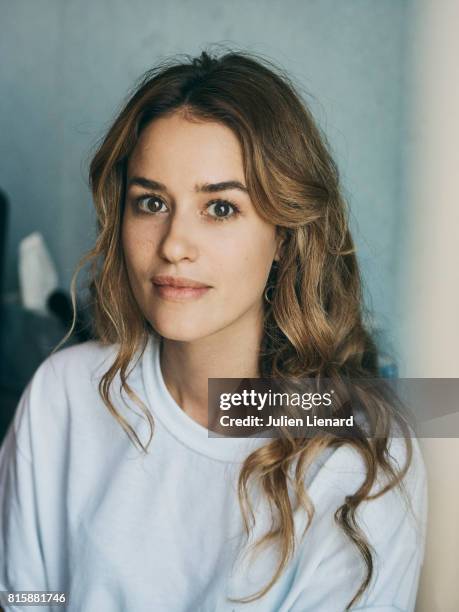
[179,240]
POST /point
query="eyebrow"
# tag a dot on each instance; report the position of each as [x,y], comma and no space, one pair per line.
[142,181]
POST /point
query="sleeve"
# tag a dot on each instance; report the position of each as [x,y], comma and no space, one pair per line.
[396,532]
[22,502]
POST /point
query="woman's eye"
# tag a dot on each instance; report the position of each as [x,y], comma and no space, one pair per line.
[221,208]
[149,204]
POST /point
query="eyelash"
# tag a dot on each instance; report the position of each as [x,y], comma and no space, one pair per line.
[236,210]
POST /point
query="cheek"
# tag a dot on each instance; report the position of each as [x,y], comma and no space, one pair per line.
[126,238]
[136,248]
[245,270]
[129,255]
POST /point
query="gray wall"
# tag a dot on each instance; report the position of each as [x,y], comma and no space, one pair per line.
[67,65]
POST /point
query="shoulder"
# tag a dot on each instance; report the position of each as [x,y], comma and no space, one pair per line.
[331,566]
[393,523]
[344,472]
[63,387]
[69,373]
[347,460]
[340,473]
[88,357]
[86,363]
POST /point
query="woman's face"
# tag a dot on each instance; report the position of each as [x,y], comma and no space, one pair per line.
[182,221]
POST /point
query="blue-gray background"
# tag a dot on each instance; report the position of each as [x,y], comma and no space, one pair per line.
[67,65]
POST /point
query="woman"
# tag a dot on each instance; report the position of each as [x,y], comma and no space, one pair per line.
[223,251]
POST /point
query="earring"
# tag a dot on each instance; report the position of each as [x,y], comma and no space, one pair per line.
[267,296]
[271,287]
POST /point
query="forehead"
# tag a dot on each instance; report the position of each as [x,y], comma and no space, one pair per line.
[174,148]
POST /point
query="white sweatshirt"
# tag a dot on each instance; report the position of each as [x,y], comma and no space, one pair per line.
[83,512]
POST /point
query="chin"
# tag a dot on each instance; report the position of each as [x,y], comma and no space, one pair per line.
[185,332]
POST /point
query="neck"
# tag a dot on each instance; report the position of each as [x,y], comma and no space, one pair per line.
[187,366]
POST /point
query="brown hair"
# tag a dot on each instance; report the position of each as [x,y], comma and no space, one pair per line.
[313,326]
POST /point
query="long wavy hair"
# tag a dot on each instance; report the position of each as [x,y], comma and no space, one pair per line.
[313,323]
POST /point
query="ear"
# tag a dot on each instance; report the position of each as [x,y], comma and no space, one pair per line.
[280,239]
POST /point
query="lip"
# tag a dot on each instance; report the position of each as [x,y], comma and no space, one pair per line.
[178,288]
[180,282]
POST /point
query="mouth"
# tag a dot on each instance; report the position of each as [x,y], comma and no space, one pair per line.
[178,288]
[167,292]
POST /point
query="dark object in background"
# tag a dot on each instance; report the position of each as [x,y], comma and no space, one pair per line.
[26,340]
[27,337]
[60,304]
[3,235]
